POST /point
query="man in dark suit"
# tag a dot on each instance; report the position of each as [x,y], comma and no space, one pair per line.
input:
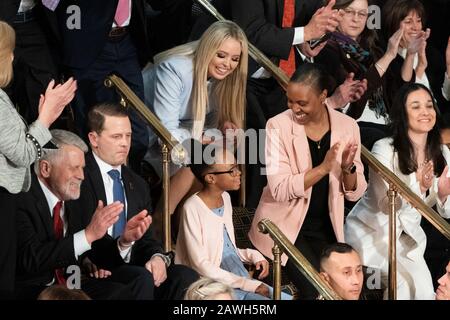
[108,179]
[36,55]
[100,38]
[47,235]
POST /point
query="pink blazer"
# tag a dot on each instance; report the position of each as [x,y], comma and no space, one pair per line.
[284,200]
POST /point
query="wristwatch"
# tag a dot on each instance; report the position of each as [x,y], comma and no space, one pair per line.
[350,170]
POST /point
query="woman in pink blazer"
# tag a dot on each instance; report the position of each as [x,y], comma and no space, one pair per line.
[313,162]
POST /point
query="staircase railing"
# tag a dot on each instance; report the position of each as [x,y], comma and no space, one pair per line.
[282,244]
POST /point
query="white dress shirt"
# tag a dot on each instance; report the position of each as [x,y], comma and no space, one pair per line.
[299,37]
[108,182]
[26,5]
[80,243]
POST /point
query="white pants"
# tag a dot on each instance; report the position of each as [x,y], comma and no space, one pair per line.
[413,277]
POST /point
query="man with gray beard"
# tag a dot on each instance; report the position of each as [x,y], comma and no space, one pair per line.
[48,240]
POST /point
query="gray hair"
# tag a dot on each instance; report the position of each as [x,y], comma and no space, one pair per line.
[60,138]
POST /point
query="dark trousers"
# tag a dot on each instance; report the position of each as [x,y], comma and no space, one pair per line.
[311,248]
[125,283]
[437,252]
[7,243]
[34,67]
[265,99]
[179,278]
[120,58]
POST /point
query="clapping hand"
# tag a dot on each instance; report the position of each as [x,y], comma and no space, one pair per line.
[444,185]
[135,228]
[394,43]
[349,91]
[348,155]
[52,103]
[426,176]
[330,162]
[417,44]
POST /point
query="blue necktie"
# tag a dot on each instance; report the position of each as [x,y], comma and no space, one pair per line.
[118,195]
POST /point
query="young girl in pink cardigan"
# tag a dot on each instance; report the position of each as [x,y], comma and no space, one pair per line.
[206,240]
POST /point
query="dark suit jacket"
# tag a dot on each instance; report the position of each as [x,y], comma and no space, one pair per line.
[38,252]
[104,252]
[335,60]
[8,9]
[262,20]
[82,46]
[45,18]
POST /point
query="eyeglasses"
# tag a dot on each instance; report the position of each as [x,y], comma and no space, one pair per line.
[234,171]
[353,13]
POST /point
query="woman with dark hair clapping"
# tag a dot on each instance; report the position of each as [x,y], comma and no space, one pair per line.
[414,153]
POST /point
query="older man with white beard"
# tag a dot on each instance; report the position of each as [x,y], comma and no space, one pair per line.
[48,237]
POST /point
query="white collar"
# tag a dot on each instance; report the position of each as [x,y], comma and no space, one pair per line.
[51,198]
[105,167]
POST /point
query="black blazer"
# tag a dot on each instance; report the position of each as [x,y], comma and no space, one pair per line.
[104,251]
[38,252]
[8,9]
[82,46]
[45,18]
[262,22]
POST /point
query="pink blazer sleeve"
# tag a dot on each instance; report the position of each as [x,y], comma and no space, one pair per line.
[283,184]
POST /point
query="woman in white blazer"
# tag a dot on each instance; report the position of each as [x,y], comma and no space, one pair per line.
[415,154]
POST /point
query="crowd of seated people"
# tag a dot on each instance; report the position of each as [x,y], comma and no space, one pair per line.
[73,191]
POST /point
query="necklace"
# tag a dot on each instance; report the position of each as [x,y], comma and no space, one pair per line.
[318,143]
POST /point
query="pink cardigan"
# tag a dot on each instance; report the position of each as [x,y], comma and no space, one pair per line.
[284,200]
[200,243]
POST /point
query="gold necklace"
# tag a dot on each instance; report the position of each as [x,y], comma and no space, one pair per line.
[318,143]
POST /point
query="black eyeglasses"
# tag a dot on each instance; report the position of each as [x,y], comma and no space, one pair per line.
[234,172]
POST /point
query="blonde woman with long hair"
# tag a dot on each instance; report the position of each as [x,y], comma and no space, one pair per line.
[194,87]
[20,146]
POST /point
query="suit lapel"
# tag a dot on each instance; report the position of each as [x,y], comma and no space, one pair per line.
[299,12]
[280,8]
[42,206]
[95,178]
[130,192]
[301,147]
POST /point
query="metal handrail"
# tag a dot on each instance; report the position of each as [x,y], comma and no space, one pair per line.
[304,266]
[428,213]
